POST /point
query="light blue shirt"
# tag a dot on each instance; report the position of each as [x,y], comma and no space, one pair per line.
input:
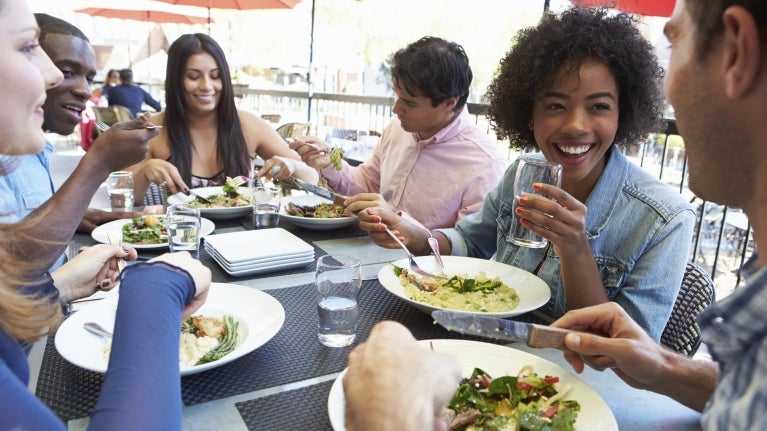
[27,188]
[735,332]
[639,229]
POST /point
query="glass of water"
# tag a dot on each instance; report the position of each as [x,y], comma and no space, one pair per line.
[338,280]
[183,222]
[120,189]
[266,207]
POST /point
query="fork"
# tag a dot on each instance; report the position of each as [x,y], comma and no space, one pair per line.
[116,237]
[413,264]
[103,127]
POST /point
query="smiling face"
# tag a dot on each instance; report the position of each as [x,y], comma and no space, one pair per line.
[575,122]
[418,116]
[202,83]
[66,103]
[25,73]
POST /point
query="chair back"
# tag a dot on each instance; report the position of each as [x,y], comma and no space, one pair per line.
[155,195]
[682,333]
[294,130]
[112,114]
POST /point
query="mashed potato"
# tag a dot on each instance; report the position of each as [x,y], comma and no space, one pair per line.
[503,298]
[191,349]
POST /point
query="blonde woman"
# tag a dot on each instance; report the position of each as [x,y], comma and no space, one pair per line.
[154,295]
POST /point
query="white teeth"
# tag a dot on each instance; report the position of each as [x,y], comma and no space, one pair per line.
[575,150]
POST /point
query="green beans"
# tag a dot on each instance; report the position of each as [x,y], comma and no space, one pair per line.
[227,344]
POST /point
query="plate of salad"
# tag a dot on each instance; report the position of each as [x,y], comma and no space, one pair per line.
[229,201]
[145,232]
[502,385]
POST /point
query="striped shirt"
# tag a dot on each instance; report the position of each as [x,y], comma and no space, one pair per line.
[735,331]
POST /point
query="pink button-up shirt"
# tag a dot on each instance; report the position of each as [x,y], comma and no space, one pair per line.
[436,181]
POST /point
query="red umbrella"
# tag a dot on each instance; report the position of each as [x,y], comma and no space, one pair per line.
[639,7]
[236,4]
[146,11]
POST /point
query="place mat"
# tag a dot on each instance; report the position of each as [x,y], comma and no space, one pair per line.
[310,413]
[294,354]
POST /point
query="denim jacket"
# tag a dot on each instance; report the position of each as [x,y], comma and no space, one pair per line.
[639,230]
[27,187]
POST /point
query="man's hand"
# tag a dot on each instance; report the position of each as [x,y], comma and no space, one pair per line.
[95,217]
[124,144]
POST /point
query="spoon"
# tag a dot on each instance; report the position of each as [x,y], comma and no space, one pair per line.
[97,329]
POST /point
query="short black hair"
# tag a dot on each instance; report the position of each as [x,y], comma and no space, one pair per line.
[126,75]
[568,40]
[707,16]
[52,25]
[437,68]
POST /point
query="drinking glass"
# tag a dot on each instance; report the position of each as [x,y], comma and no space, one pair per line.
[120,189]
[529,171]
[338,280]
[266,207]
[183,222]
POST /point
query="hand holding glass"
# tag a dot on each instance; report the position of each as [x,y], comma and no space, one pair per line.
[120,189]
[183,222]
[338,279]
[529,171]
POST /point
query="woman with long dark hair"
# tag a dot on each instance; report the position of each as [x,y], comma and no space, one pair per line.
[205,136]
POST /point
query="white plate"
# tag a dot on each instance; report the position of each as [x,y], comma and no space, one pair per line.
[214,213]
[100,234]
[287,263]
[252,245]
[311,222]
[258,262]
[533,292]
[259,314]
[498,361]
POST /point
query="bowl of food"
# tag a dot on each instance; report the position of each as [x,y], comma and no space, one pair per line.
[469,285]
[316,213]
[229,201]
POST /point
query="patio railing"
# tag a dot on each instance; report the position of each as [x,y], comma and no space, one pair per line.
[719,245]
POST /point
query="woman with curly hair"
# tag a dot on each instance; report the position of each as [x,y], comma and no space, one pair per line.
[578,88]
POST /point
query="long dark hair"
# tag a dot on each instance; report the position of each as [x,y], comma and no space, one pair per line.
[230,141]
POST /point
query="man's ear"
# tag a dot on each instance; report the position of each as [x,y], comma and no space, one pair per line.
[450,103]
[743,51]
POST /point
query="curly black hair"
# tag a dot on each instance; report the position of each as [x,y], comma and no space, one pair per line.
[568,40]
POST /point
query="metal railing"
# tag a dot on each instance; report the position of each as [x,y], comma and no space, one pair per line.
[719,246]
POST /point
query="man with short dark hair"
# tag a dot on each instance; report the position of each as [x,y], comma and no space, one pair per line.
[432,164]
[130,95]
[30,185]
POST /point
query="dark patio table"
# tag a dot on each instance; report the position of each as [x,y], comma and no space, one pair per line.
[285,383]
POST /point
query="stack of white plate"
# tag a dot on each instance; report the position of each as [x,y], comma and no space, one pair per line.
[258,251]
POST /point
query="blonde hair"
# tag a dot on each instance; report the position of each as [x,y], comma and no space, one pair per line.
[25,317]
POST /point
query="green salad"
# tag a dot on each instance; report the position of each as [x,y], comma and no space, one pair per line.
[146,230]
[523,402]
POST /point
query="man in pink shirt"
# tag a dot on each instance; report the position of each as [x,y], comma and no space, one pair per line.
[432,164]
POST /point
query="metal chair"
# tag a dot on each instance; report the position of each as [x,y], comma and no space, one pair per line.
[155,195]
[682,333]
[294,130]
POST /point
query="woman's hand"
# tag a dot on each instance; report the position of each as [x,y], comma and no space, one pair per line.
[164,173]
[355,204]
[278,168]
[560,218]
[375,220]
[200,275]
[95,268]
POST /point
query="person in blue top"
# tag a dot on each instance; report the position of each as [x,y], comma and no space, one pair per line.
[130,95]
[30,187]
[578,87]
[140,391]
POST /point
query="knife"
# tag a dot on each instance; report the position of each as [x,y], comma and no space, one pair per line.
[537,336]
[319,191]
